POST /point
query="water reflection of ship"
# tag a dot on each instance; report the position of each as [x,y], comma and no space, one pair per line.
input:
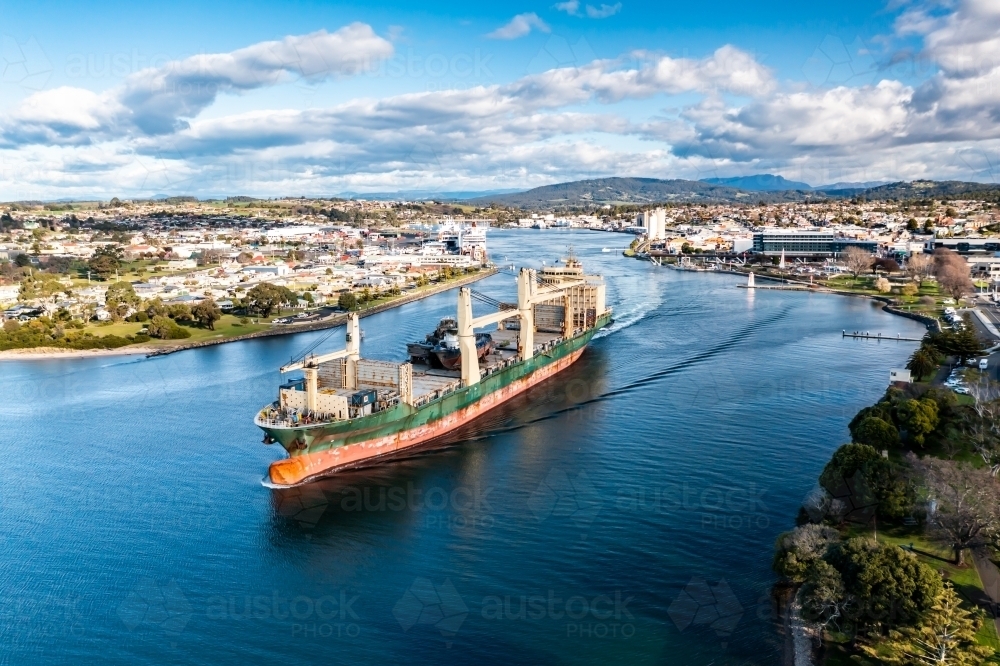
[440,349]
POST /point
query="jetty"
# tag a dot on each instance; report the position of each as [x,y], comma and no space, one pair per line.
[878,336]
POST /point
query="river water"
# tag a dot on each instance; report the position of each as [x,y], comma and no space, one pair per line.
[623,513]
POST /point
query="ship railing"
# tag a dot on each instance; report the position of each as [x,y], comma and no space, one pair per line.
[287,421]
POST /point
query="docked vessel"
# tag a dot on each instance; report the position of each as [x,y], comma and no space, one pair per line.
[347,411]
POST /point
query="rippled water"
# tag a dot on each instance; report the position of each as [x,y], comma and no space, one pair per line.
[622,513]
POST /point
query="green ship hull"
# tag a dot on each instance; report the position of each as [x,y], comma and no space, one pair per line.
[320,449]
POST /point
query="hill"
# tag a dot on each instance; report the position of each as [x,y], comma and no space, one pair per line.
[933,189]
[762,182]
[646,191]
[636,191]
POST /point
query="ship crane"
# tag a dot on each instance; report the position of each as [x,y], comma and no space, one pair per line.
[309,365]
[529,294]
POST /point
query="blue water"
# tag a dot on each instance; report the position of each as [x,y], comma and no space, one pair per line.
[624,513]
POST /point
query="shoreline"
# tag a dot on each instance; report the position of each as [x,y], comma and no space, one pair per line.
[53,353]
[930,323]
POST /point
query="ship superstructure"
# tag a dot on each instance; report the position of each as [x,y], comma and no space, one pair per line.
[348,411]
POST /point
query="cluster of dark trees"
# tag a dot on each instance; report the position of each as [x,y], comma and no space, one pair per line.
[59,331]
[887,604]
[963,344]
[905,419]
[165,321]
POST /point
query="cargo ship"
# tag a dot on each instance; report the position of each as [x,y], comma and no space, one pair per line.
[346,411]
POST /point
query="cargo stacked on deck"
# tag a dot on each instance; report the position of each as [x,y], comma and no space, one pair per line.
[348,411]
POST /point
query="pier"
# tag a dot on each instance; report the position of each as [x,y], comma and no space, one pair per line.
[878,336]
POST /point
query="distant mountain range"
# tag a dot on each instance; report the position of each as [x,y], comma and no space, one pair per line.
[424,195]
[638,191]
[645,191]
[766,182]
[763,182]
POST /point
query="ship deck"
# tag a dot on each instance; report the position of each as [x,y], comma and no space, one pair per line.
[431,383]
[428,383]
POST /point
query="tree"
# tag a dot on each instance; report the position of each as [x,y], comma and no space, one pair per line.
[887,265]
[347,301]
[155,308]
[180,312]
[945,635]
[22,260]
[921,364]
[859,472]
[265,298]
[890,587]
[119,299]
[106,260]
[823,597]
[796,552]
[985,426]
[877,433]
[966,342]
[883,285]
[165,328]
[207,313]
[952,272]
[968,503]
[919,267]
[858,260]
[918,417]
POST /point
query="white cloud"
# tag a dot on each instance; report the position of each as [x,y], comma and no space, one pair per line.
[519,26]
[604,11]
[150,132]
[571,7]
[160,100]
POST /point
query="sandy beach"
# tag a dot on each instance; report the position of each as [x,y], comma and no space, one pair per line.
[45,353]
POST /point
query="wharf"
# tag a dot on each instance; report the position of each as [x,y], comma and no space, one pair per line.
[786,287]
[878,336]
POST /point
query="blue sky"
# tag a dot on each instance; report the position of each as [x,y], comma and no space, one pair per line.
[319,98]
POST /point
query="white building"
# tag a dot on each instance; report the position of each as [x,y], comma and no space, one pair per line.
[654,222]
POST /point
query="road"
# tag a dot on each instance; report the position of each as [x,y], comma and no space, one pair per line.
[993,315]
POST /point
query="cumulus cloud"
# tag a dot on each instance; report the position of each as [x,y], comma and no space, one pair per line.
[604,11]
[160,100]
[571,7]
[523,132]
[519,26]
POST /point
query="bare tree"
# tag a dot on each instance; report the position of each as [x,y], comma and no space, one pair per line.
[857,260]
[952,272]
[985,426]
[968,503]
[919,267]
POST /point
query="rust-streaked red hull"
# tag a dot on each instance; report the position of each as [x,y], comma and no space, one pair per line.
[310,465]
